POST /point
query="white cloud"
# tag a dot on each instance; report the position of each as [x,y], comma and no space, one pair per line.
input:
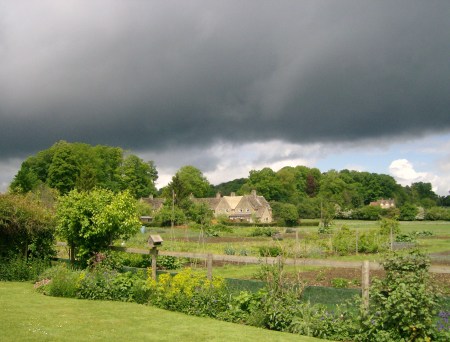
[405,174]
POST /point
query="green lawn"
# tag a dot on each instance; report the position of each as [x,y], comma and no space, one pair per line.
[26,315]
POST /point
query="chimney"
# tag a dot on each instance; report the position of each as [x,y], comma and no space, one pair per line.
[233,194]
[150,196]
[218,195]
[254,193]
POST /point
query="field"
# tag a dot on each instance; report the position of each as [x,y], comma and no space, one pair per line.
[29,316]
[301,240]
[298,242]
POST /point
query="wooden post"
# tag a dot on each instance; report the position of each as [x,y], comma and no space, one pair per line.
[357,235]
[72,255]
[209,263]
[365,284]
[154,252]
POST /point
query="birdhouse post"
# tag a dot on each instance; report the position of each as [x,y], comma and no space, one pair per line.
[154,241]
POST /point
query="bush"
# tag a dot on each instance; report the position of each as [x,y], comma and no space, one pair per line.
[101,283]
[26,227]
[59,281]
[263,231]
[189,292]
[269,251]
[17,268]
[403,305]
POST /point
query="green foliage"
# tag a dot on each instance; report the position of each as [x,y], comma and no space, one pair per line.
[403,304]
[263,231]
[17,268]
[269,251]
[59,281]
[90,221]
[285,213]
[389,226]
[347,242]
[102,283]
[167,262]
[437,213]
[66,166]
[26,227]
[186,182]
[266,183]
[199,213]
[138,176]
[340,283]
[368,212]
[189,292]
[408,212]
[166,214]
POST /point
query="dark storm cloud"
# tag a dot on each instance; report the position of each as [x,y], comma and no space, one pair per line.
[159,74]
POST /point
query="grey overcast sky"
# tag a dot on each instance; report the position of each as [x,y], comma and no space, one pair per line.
[228,86]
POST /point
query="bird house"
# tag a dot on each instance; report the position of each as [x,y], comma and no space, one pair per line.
[155,240]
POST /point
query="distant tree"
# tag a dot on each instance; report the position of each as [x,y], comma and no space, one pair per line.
[225,189]
[90,221]
[168,213]
[285,213]
[64,169]
[200,213]
[138,176]
[266,183]
[186,182]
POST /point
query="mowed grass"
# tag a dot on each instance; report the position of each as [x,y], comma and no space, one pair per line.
[26,315]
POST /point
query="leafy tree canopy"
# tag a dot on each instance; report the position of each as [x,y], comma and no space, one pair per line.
[90,221]
[186,182]
[67,166]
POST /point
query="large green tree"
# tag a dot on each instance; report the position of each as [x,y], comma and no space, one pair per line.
[186,182]
[138,176]
[91,221]
[66,166]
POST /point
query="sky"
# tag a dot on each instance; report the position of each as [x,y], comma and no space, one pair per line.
[231,86]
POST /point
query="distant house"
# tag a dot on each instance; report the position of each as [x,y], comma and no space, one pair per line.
[250,208]
[384,203]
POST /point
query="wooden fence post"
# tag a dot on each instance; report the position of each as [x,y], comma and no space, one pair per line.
[154,252]
[209,264]
[365,284]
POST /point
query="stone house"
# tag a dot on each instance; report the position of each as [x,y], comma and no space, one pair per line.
[250,208]
[384,203]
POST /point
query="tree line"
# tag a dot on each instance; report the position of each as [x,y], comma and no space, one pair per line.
[294,191]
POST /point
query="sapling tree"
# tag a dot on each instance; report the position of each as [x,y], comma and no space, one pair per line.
[90,221]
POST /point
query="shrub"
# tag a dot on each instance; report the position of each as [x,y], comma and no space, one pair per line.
[263,231]
[59,281]
[403,304]
[167,262]
[26,227]
[101,283]
[269,251]
[17,268]
[189,292]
